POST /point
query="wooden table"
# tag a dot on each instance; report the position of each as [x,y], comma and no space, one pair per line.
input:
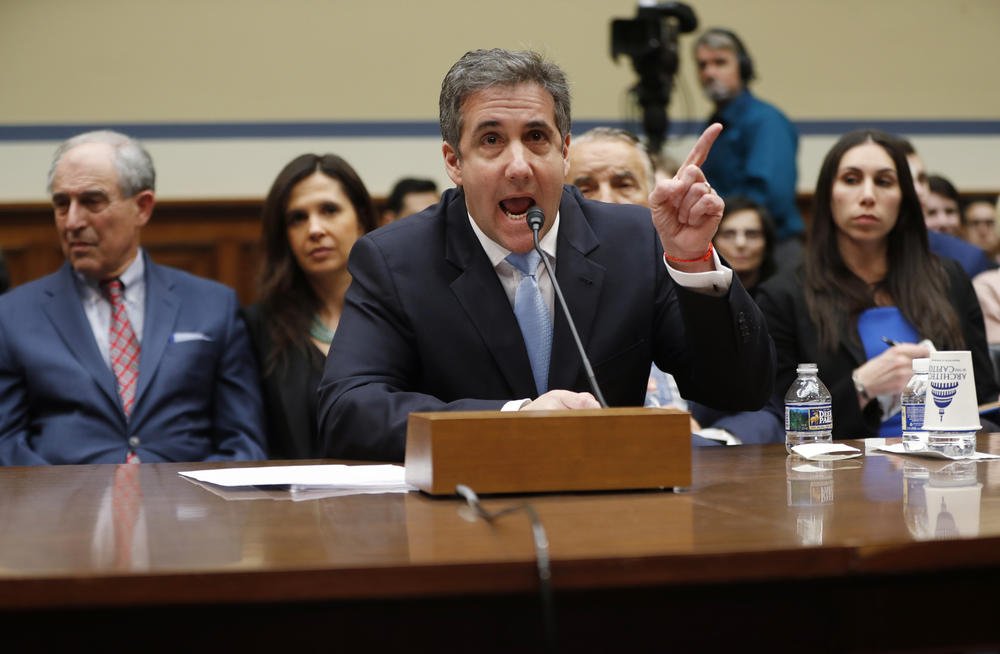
[881,553]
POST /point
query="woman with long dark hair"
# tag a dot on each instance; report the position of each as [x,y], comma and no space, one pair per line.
[869,277]
[315,211]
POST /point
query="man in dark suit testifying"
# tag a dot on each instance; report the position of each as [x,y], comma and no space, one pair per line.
[114,358]
[433,319]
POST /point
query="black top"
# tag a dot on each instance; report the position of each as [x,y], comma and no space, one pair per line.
[289,391]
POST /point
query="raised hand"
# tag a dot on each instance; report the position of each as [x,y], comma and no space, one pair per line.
[686,211]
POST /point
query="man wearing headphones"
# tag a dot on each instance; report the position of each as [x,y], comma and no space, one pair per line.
[755,154]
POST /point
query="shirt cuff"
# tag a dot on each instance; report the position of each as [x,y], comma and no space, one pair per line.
[515,405]
[713,282]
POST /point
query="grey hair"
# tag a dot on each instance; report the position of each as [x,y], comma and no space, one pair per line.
[626,137]
[482,69]
[718,40]
[131,161]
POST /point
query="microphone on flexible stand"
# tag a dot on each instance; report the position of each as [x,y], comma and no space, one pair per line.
[535,220]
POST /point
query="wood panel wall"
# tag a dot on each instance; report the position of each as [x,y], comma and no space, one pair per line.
[218,239]
[214,239]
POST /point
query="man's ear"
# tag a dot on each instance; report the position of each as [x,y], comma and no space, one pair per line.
[565,154]
[145,200]
[452,163]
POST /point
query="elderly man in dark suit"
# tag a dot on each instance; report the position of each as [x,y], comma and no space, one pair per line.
[434,319]
[114,358]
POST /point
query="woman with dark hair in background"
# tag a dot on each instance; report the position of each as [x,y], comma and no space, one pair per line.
[315,211]
[746,239]
[868,275]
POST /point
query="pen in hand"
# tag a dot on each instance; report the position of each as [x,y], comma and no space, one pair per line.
[889,342]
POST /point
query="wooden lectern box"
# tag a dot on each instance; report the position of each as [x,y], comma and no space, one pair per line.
[548,451]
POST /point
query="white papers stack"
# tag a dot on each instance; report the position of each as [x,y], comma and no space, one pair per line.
[301,482]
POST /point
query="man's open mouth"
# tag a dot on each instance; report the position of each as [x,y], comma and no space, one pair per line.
[516,207]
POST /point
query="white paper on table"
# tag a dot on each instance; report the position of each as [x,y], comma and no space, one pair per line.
[826,451]
[372,478]
[294,494]
[899,448]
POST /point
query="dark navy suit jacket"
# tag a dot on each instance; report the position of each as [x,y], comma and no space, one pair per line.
[198,397]
[427,326]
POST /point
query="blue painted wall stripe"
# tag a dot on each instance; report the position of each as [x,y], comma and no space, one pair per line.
[429,129]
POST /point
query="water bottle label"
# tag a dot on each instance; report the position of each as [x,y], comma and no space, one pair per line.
[817,417]
[913,417]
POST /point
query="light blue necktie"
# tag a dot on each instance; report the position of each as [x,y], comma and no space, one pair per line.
[533,317]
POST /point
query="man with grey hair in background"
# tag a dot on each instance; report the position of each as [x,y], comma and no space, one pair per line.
[754,156]
[113,358]
[609,164]
[452,309]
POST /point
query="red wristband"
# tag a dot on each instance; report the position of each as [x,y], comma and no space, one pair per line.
[704,257]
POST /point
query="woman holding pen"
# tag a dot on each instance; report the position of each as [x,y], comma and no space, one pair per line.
[870,295]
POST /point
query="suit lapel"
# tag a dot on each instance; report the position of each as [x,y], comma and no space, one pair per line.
[161,313]
[62,305]
[581,281]
[482,297]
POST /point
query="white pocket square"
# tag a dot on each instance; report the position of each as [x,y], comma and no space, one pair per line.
[184,337]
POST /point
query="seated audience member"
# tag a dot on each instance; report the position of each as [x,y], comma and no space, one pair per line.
[315,211]
[868,274]
[409,196]
[987,285]
[941,207]
[452,309]
[746,239]
[610,165]
[972,259]
[114,358]
[981,218]
[979,224]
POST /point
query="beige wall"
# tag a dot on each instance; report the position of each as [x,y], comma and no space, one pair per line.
[67,61]
[139,60]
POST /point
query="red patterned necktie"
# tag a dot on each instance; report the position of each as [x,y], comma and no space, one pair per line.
[124,346]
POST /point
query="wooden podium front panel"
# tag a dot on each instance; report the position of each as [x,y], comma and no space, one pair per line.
[546,451]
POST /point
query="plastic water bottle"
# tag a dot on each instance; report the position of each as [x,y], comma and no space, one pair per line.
[912,400]
[808,409]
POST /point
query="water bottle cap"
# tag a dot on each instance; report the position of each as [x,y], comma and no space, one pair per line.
[921,365]
[807,367]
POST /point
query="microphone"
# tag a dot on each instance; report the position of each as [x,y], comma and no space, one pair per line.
[535,220]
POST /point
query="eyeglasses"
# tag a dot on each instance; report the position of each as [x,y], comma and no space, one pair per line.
[730,235]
